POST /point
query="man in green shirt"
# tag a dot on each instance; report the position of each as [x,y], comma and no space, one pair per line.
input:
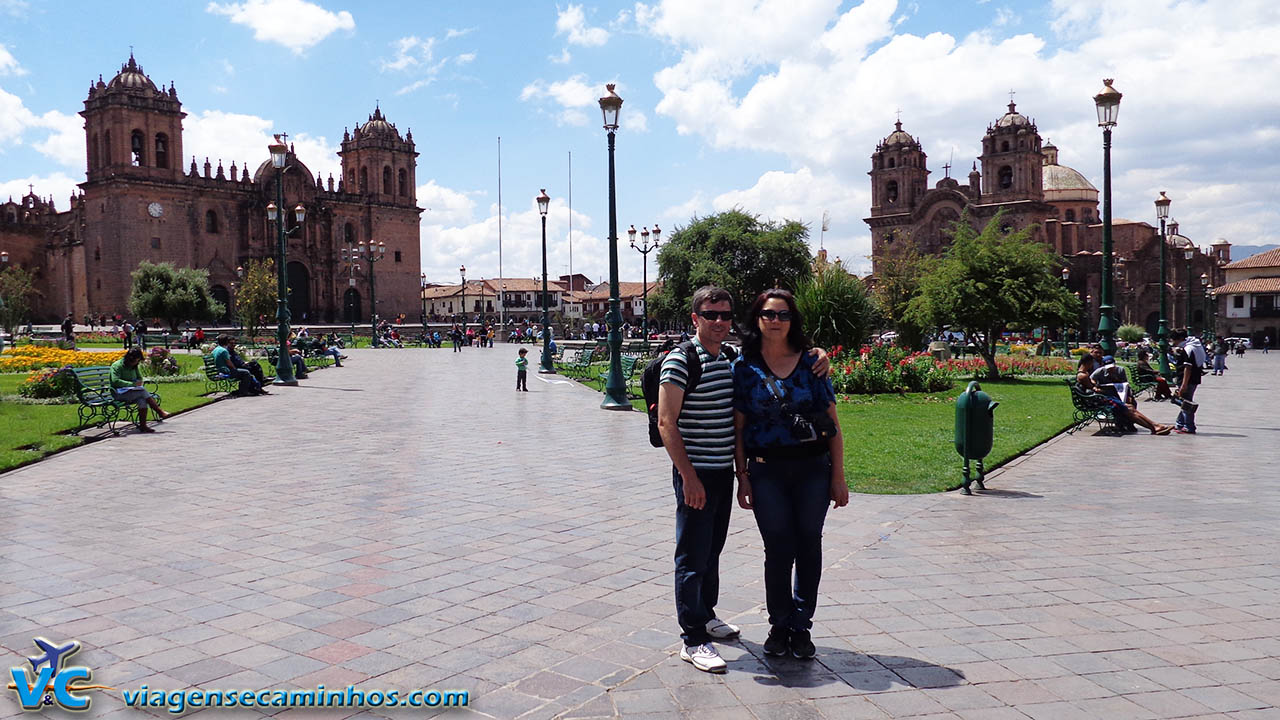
[126,385]
[226,366]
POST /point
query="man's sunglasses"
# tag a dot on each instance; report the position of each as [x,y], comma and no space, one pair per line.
[714,315]
[782,315]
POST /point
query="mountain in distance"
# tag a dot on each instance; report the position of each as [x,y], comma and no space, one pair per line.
[1240,252]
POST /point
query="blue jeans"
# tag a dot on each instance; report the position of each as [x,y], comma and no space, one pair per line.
[700,536]
[1187,420]
[791,498]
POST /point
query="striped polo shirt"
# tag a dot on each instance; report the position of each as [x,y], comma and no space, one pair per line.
[706,419]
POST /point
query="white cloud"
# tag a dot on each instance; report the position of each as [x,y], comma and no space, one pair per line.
[64,142]
[574,95]
[295,24]
[59,186]
[411,52]
[9,64]
[454,33]
[636,121]
[564,58]
[1005,16]
[464,58]
[243,139]
[14,8]
[572,22]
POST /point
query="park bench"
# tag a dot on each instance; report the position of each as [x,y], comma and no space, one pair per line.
[1091,408]
[629,363]
[155,340]
[215,380]
[98,400]
[580,365]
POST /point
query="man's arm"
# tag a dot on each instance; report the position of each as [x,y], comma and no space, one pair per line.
[821,363]
[670,400]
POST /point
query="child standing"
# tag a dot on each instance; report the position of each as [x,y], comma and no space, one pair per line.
[522,371]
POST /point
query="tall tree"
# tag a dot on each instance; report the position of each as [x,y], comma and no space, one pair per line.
[897,281]
[17,290]
[172,294]
[732,249]
[989,281]
[836,306]
[256,296]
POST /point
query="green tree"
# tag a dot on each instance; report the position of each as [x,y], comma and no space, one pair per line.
[172,294]
[734,250]
[1131,333]
[897,281]
[17,290]
[836,306]
[256,295]
[988,281]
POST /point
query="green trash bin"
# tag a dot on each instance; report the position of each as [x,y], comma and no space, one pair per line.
[975,431]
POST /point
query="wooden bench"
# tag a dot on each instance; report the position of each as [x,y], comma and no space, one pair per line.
[215,380]
[98,400]
[1091,408]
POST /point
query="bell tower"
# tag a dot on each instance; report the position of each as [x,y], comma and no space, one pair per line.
[899,176]
[379,164]
[132,128]
[1011,160]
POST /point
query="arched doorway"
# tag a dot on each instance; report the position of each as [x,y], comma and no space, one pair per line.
[351,306]
[299,281]
[222,297]
[1153,323]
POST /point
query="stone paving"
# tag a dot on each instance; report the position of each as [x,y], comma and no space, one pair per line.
[409,521]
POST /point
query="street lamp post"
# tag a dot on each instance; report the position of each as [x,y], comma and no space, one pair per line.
[1108,105]
[275,213]
[1204,304]
[462,272]
[422,284]
[548,367]
[370,254]
[1066,275]
[1188,254]
[644,248]
[1162,332]
[615,388]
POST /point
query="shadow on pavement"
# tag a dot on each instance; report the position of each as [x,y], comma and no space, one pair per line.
[864,672]
[1005,494]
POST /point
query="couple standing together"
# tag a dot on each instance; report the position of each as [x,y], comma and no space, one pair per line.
[768,419]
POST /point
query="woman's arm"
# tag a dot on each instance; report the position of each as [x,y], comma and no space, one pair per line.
[740,461]
[839,488]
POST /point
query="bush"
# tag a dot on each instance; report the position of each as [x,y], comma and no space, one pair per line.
[836,306]
[1131,333]
[887,369]
[161,362]
[48,383]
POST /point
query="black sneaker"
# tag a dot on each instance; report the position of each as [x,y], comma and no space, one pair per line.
[801,646]
[777,642]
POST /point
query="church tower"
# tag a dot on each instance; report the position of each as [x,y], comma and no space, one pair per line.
[1011,160]
[132,128]
[378,163]
[899,177]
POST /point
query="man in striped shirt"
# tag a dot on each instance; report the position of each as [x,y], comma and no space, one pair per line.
[696,424]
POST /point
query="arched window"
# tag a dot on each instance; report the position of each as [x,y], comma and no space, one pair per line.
[364,180]
[162,151]
[386,180]
[404,183]
[211,222]
[891,191]
[106,148]
[349,234]
[138,149]
[1005,176]
[892,163]
[93,152]
[1071,216]
[351,179]
[1088,214]
[1004,146]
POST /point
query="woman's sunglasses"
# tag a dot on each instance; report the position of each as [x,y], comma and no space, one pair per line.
[781,315]
[714,315]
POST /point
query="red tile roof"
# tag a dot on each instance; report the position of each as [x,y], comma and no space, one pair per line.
[1270,258]
[1262,285]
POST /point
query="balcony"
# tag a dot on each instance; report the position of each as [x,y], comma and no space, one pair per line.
[1265,312]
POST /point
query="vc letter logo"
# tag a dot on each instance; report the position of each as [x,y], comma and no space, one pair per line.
[49,680]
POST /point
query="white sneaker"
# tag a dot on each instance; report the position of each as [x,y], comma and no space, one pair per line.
[721,630]
[703,657]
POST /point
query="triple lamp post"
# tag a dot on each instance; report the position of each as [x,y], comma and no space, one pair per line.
[644,248]
[370,253]
[284,366]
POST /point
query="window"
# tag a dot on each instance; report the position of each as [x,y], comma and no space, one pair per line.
[211,222]
[1088,215]
[349,234]
[397,256]
[162,151]
[891,163]
[1004,146]
[137,148]
[93,152]
[364,179]
[155,243]
[891,191]
[404,183]
[351,179]
[386,180]
[1071,216]
[106,148]
[1237,301]
[97,253]
[1005,176]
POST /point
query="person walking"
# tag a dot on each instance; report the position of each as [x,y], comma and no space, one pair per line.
[1219,355]
[1190,370]
[790,457]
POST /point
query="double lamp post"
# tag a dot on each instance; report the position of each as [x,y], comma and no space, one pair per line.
[644,248]
[284,366]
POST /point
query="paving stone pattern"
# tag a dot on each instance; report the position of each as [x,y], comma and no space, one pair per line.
[410,521]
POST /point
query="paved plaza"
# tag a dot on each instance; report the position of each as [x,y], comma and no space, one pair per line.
[409,521]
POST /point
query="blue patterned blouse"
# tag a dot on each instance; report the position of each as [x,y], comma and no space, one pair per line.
[767,424]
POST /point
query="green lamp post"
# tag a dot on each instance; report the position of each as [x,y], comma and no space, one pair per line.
[644,248]
[275,213]
[1204,305]
[1188,254]
[615,388]
[548,367]
[1066,275]
[1162,332]
[1108,105]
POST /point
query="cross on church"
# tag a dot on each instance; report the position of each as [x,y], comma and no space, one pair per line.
[1011,93]
[947,168]
[284,138]
[899,114]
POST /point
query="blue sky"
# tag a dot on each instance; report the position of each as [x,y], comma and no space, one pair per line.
[770,105]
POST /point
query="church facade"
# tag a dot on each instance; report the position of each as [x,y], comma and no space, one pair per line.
[1020,175]
[139,203]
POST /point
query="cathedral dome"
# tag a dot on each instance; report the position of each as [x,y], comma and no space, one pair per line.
[899,137]
[266,170]
[131,77]
[1062,183]
[378,125]
[1012,118]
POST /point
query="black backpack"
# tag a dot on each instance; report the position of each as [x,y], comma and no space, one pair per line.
[653,372]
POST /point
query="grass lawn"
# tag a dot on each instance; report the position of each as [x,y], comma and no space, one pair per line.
[906,445]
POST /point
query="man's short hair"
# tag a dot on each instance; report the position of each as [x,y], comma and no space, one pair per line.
[710,294]
[224,339]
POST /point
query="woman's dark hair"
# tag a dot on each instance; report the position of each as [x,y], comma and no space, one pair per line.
[1086,358]
[134,354]
[750,331]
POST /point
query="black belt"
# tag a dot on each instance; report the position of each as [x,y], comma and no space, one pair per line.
[789,452]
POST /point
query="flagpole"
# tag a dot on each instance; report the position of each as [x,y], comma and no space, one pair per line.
[570,220]
[502,300]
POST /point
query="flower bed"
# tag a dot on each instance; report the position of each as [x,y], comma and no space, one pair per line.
[1010,365]
[30,357]
[887,369]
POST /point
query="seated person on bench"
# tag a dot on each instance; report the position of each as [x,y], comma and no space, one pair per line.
[222,361]
[127,387]
[1112,383]
[254,368]
[1148,374]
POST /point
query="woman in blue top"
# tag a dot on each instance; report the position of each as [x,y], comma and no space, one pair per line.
[790,460]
